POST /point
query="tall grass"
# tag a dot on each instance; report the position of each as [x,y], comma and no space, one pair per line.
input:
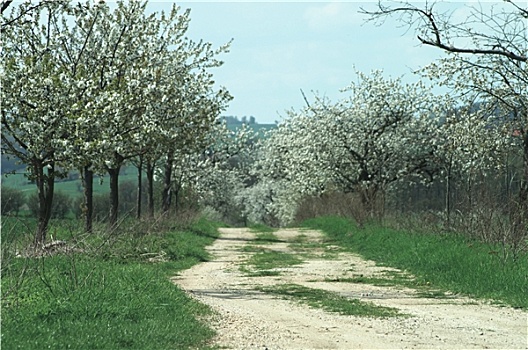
[115,296]
[446,261]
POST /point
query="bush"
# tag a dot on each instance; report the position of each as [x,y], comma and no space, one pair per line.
[12,200]
[346,205]
[101,207]
[101,202]
[62,204]
[127,197]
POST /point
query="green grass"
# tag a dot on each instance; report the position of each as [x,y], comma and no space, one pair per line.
[445,262]
[266,238]
[375,281]
[264,261]
[310,249]
[330,301]
[394,280]
[261,228]
[271,259]
[113,298]
[264,234]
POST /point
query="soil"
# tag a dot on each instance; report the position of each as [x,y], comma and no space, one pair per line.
[248,319]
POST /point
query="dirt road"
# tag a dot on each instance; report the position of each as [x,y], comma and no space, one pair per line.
[249,319]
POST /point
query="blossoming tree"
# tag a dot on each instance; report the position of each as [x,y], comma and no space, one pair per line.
[364,143]
[87,86]
[486,59]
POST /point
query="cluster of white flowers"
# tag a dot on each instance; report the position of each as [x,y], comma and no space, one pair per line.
[95,85]
[384,132]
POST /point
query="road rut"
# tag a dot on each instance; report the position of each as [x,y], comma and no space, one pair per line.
[248,319]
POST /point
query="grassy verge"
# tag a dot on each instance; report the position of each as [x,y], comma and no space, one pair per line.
[447,262]
[329,301]
[118,297]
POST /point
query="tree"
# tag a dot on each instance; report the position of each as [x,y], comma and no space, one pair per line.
[466,144]
[362,144]
[487,53]
[21,16]
[35,91]
[191,123]
[221,170]
[144,76]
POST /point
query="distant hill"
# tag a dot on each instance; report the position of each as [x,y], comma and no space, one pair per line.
[233,123]
[10,165]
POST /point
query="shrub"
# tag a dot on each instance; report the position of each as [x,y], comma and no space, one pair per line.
[12,200]
[101,206]
[101,202]
[62,204]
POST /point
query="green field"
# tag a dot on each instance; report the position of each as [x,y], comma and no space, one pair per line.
[72,188]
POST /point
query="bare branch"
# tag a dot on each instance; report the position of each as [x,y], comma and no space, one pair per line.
[450,48]
[5,5]
[432,24]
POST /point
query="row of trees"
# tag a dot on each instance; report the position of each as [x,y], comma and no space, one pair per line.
[486,58]
[89,86]
[383,134]
[388,135]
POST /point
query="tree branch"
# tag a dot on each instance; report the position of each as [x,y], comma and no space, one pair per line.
[432,24]
[475,51]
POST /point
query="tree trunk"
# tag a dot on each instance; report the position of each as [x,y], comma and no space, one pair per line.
[166,195]
[448,197]
[45,186]
[150,189]
[114,190]
[177,197]
[114,196]
[139,187]
[523,193]
[88,199]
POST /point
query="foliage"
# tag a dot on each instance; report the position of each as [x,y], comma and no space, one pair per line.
[381,133]
[12,200]
[61,207]
[217,172]
[485,62]
[88,86]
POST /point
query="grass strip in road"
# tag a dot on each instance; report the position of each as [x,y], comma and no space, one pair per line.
[447,262]
[264,234]
[330,301]
[261,228]
[272,259]
[264,261]
[265,238]
[423,291]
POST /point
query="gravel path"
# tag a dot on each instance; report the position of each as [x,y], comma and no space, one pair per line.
[248,319]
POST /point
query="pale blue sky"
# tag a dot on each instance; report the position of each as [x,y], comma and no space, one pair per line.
[281,47]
